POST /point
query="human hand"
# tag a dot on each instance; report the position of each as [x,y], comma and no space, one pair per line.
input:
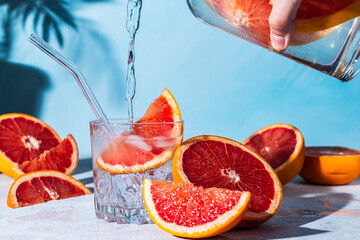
[282,22]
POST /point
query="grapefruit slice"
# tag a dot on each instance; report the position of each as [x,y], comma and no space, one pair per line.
[331,165]
[193,212]
[28,144]
[150,143]
[252,17]
[212,161]
[42,186]
[282,146]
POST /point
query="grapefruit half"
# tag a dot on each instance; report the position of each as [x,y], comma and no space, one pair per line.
[42,186]
[193,212]
[28,144]
[331,165]
[212,161]
[282,146]
[252,17]
[150,143]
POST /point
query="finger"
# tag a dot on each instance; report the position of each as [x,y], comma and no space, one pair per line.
[282,22]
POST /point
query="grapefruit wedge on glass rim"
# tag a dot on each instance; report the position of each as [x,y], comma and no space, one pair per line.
[139,149]
[213,161]
[185,210]
[315,18]
[42,186]
[282,146]
[28,144]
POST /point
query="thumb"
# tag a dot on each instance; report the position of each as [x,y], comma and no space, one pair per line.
[282,22]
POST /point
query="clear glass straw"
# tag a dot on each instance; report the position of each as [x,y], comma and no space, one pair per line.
[80,78]
[75,71]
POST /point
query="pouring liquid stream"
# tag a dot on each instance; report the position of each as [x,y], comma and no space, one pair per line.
[132,25]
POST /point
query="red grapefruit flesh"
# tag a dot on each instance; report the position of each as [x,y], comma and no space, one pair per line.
[64,158]
[212,161]
[321,8]
[28,144]
[282,146]
[251,16]
[194,212]
[150,143]
[42,186]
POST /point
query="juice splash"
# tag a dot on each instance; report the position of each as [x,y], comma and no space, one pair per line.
[132,25]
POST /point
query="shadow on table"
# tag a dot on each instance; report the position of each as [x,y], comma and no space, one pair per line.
[302,204]
[84,166]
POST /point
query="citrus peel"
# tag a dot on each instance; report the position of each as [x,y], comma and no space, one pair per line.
[331,165]
[214,161]
[282,146]
[193,212]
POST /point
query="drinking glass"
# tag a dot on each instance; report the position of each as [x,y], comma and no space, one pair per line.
[118,148]
[334,51]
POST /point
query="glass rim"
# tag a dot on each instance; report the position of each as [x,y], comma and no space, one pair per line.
[127,122]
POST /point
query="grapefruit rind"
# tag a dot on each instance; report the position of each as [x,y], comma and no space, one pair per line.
[307,29]
[15,172]
[121,169]
[331,169]
[159,159]
[12,201]
[292,167]
[222,224]
[7,166]
[323,23]
[172,102]
[250,219]
[74,157]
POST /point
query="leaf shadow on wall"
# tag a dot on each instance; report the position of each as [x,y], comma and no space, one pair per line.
[22,87]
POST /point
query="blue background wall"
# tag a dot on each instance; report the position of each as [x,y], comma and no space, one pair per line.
[223,85]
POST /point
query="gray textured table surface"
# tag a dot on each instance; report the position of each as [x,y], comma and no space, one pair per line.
[307,212]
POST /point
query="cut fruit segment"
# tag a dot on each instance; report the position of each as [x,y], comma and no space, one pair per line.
[28,144]
[150,143]
[42,186]
[212,161]
[315,15]
[193,212]
[282,146]
[252,17]
[331,165]
[64,158]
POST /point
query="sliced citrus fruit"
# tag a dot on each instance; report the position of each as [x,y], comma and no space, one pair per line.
[252,17]
[28,144]
[212,161]
[42,186]
[282,146]
[331,165]
[64,158]
[193,212]
[150,143]
[315,15]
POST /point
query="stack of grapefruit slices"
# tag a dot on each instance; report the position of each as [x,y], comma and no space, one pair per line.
[315,18]
[32,153]
[27,144]
[221,183]
[213,161]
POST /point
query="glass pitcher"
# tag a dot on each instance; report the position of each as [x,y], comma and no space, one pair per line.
[333,51]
